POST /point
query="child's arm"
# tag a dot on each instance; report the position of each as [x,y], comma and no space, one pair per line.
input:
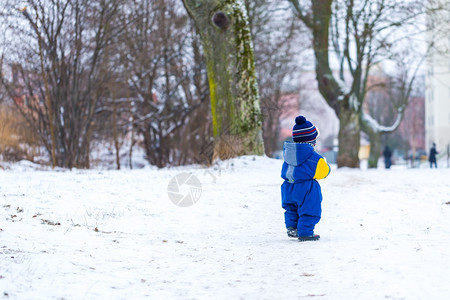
[322,169]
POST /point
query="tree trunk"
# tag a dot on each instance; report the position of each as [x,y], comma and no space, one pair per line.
[48,101]
[226,40]
[375,146]
[375,150]
[349,138]
[115,133]
[375,141]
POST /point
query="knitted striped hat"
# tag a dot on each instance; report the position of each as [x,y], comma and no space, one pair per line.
[304,131]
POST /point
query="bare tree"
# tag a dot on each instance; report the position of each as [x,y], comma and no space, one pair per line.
[363,33]
[165,73]
[62,61]
[394,93]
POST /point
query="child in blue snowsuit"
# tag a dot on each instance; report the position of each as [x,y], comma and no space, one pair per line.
[300,192]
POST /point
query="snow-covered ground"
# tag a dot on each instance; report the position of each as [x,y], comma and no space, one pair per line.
[385,234]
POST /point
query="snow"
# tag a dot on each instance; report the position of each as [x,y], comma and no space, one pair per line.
[94,234]
[345,90]
[376,127]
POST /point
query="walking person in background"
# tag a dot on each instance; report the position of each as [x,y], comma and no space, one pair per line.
[387,157]
[432,157]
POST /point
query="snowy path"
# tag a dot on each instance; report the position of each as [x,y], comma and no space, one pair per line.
[115,234]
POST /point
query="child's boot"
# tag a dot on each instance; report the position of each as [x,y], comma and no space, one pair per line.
[292,232]
[313,237]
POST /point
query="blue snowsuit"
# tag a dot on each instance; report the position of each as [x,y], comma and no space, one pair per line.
[300,193]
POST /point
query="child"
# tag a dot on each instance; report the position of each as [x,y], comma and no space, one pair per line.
[300,193]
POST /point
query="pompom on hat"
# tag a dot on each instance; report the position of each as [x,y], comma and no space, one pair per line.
[304,131]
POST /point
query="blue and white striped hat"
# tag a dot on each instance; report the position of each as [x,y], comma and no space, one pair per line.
[304,131]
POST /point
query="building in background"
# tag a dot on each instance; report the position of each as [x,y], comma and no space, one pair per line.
[437,94]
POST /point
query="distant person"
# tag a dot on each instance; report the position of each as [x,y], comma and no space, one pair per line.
[301,195]
[387,157]
[432,157]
